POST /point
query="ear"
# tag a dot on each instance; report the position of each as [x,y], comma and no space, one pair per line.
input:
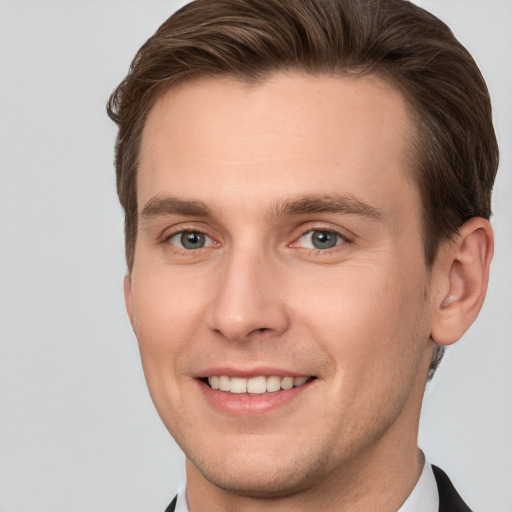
[128,297]
[461,274]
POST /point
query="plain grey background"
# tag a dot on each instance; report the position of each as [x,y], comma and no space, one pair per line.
[78,432]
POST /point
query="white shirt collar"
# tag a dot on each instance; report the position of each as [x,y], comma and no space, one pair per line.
[423,498]
[181,502]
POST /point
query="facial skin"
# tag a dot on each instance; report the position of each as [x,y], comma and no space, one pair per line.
[304,259]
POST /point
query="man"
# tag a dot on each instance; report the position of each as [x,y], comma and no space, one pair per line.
[307,191]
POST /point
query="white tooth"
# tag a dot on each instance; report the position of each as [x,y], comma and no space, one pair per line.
[224,383]
[299,381]
[273,384]
[287,383]
[238,385]
[214,382]
[257,385]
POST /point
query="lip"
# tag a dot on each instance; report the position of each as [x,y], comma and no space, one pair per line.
[233,404]
[248,373]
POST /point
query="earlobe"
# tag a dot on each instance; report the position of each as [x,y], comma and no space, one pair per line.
[462,274]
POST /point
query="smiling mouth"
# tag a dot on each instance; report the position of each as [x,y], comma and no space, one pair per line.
[255,385]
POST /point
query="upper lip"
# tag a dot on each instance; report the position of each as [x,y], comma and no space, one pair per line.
[248,373]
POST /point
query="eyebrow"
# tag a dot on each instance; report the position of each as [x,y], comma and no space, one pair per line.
[327,203]
[161,206]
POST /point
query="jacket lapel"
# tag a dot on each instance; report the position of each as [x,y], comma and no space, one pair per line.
[449,498]
[172,505]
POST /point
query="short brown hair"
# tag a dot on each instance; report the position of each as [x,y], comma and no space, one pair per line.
[456,149]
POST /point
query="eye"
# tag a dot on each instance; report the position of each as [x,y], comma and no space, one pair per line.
[320,239]
[190,240]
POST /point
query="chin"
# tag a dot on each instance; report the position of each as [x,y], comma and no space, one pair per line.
[257,475]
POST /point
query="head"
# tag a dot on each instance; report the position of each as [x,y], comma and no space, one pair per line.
[242,45]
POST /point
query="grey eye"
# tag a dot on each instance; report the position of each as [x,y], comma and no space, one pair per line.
[191,239]
[320,239]
[324,239]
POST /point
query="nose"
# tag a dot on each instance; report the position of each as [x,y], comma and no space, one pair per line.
[249,300]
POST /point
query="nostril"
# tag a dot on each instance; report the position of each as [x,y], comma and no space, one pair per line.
[260,330]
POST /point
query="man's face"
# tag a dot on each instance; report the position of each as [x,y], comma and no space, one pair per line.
[279,242]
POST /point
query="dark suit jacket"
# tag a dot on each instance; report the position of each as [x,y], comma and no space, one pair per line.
[172,505]
[449,499]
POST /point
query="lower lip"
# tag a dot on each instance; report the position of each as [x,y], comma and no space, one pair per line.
[244,404]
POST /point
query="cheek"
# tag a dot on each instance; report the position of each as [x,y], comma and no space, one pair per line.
[363,314]
[165,324]
[166,314]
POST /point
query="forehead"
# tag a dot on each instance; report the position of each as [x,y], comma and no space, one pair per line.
[293,132]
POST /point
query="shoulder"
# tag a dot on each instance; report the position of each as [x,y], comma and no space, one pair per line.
[449,498]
